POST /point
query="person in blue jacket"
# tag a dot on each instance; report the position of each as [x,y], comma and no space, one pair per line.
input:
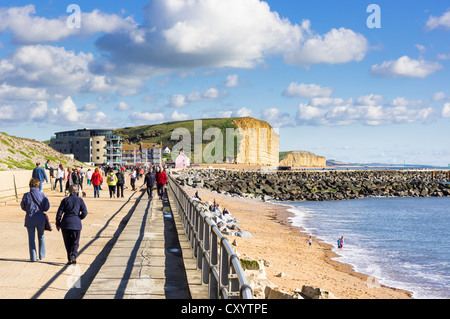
[68,219]
[40,175]
[35,203]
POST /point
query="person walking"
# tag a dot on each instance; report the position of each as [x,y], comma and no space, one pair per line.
[111,180]
[88,177]
[133,178]
[120,182]
[60,177]
[150,181]
[75,180]
[161,179]
[96,180]
[71,212]
[35,203]
[40,175]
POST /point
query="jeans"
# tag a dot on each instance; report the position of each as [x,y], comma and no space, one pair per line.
[112,191]
[32,243]
[41,186]
[60,180]
[96,191]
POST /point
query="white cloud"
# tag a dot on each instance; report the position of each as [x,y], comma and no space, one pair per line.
[232,81]
[405,67]
[446,110]
[337,46]
[8,92]
[373,115]
[276,118]
[443,56]
[325,101]
[439,96]
[51,70]
[188,34]
[123,106]
[27,28]
[141,118]
[243,112]
[371,99]
[307,90]
[211,94]
[439,22]
[179,116]
[176,100]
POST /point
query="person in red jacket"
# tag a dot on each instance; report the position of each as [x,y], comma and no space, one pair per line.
[96,181]
[161,179]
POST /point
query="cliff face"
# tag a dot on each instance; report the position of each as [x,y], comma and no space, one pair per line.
[297,159]
[258,142]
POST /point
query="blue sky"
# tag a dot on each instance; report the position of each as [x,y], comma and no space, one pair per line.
[313,69]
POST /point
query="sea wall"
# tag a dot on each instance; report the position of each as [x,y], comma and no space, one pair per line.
[319,185]
[17,182]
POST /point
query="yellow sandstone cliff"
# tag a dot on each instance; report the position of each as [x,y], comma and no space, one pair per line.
[259,143]
[303,159]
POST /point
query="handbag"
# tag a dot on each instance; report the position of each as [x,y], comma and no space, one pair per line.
[48,226]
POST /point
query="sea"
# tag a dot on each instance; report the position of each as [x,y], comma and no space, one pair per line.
[399,242]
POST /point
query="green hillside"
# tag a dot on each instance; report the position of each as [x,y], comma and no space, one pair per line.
[158,133]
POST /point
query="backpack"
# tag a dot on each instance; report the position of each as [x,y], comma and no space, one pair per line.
[75,178]
[111,178]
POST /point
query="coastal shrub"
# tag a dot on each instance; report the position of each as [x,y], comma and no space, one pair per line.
[5,142]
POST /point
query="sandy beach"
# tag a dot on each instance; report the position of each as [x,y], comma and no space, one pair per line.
[286,250]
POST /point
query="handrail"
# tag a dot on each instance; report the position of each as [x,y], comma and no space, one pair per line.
[221,268]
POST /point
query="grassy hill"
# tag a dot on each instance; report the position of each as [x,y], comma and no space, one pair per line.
[21,153]
[161,133]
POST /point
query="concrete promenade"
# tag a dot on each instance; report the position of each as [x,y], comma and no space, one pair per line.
[147,260]
[130,248]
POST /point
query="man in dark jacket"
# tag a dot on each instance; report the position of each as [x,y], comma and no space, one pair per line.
[150,181]
[68,218]
[120,182]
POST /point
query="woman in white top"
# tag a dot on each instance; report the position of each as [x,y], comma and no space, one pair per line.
[60,176]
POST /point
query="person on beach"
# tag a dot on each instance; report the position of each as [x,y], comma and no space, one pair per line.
[342,242]
[96,180]
[35,204]
[40,175]
[71,212]
[111,180]
[310,241]
[339,243]
[150,181]
[161,180]
[60,177]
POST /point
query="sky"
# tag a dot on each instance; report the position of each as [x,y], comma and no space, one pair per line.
[354,81]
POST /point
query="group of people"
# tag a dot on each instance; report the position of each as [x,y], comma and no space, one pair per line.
[115,179]
[71,211]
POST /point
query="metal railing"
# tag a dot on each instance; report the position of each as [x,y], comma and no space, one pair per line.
[221,268]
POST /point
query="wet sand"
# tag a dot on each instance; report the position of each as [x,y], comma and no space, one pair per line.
[286,250]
